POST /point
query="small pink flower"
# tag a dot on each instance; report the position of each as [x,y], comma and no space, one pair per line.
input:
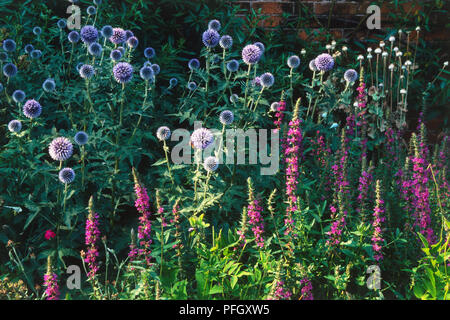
[49,234]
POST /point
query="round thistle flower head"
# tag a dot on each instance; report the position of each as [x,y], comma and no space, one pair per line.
[121,49]
[194,64]
[18,96]
[391,39]
[37,31]
[15,126]
[163,133]
[146,73]
[274,106]
[29,48]
[156,69]
[3,56]
[210,38]
[324,62]
[214,24]
[61,23]
[226,117]
[95,49]
[66,175]
[36,54]
[192,86]
[293,62]
[360,57]
[9,45]
[123,72]
[303,52]
[91,10]
[78,66]
[202,138]
[49,85]
[118,36]
[261,46]
[73,36]
[32,109]
[9,70]
[106,31]
[132,42]
[267,80]
[149,52]
[256,82]
[129,34]
[211,164]
[60,149]
[86,71]
[251,54]
[97,2]
[351,75]
[173,82]
[89,34]
[234,98]
[81,138]
[226,42]
[115,55]
[233,65]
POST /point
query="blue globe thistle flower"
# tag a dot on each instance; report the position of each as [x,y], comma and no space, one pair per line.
[60,149]
[256,82]
[36,54]
[91,10]
[79,65]
[49,85]
[226,117]
[37,31]
[149,52]
[118,36]
[274,106]
[9,45]
[202,138]
[192,86]
[350,75]
[215,59]
[267,79]
[163,133]
[61,23]
[95,49]
[115,55]
[81,138]
[73,36]
[324,62]
[210,38]
[194,64]
[18,96]
[211,164]
[15,126]
[129,34]
[293,62]
[146,73]
[89,34]
[97,2]
[234,98]
[261,46]
[251,54]
[312,65]
[226,42]
[66,175]
[28,48]
[173,82]
[32,109]
[9,70]
[86,71]
[106,31]
[123,72]
[156,69]
[214,24]
[3,56]
[233,65]
[148,64]
[132,42]
[121,49]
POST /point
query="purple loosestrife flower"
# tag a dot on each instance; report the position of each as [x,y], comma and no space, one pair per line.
[149,52]
[214,24]
[51,286]
[256,220]
[202,138]
[194,64]
[365,181]
[293,62]
[324,62]
[226,42]
[118,36]
[9,70]
[123,72]
[66,175]
[279,115]
[32,109]
[73,36]
[60,149]
[378,219]
[89,34]
[163,133]
[226,117]
[15,126]
[9,45]
[86,71]
[92,236]
[251,54]
[18,96]
[210,38]
[280,292]
[306,290]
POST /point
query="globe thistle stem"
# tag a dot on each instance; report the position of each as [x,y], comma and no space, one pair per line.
[246,85]
[205,190]
[166,153]
[259,98]
[103,52]
[143,107]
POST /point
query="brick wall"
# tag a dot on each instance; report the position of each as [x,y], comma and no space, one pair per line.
[348,17]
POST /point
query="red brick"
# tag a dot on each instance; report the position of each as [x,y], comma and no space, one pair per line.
[272,8]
